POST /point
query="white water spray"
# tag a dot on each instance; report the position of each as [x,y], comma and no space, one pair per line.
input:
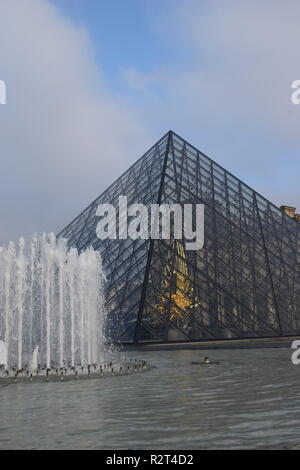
[51,304]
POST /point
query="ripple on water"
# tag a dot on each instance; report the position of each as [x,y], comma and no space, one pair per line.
[250,400]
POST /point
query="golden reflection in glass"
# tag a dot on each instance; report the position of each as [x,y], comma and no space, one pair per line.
[176,286]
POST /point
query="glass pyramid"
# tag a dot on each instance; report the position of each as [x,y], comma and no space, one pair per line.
[243,283]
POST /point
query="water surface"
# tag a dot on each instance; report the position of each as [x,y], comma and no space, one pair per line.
[250,400]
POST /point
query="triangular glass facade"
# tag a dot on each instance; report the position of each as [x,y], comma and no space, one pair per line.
[243,283]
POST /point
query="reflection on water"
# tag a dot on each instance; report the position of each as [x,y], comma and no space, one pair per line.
[251,399]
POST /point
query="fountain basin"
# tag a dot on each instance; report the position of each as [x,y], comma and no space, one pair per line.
[61,374]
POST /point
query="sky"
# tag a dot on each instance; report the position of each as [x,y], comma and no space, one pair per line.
[92,84]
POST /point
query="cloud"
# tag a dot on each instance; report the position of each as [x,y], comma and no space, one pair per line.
[229,91]
[64,135]
[244,56]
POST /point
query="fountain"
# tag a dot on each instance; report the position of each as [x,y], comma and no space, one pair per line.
[52,313]
[51,304]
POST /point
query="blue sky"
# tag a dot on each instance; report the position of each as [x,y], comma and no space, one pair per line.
[135,35]
[121,32]
[125,34]
[92,84]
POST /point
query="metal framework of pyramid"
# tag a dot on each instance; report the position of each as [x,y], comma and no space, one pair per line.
[243,283]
